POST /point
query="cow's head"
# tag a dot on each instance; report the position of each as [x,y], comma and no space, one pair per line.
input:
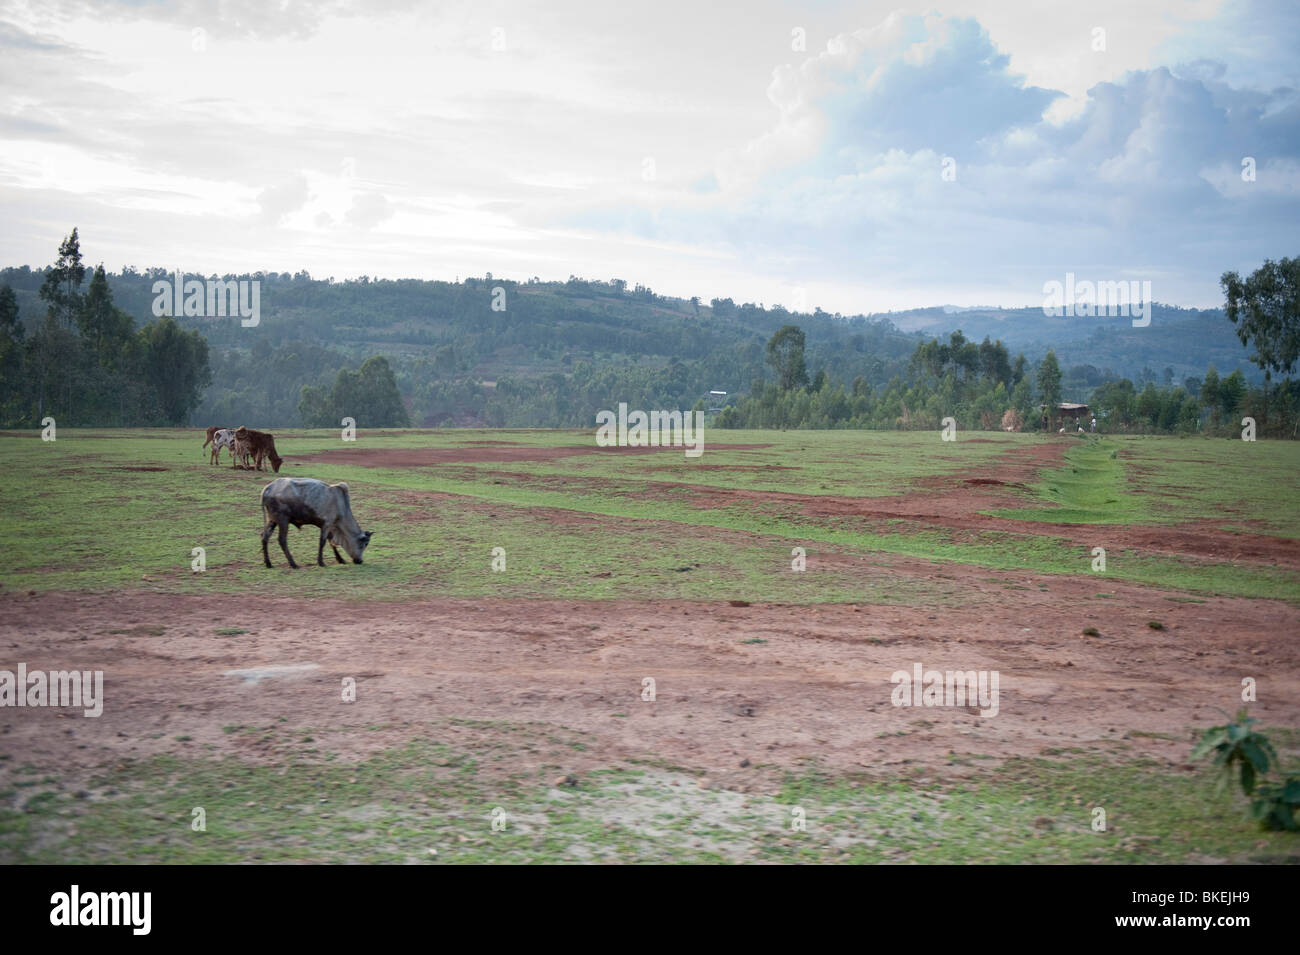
[355,545]
[275,466]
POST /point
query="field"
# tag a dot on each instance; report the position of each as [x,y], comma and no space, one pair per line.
[499,711]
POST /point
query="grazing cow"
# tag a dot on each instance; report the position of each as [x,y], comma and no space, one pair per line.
[300,501]
[261,445]
[223,438]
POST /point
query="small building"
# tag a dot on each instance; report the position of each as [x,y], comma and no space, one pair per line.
[1066,409]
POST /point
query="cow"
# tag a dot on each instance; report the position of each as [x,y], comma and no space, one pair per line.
[300,501]
[224,438]
[240,450]
[212,433]
[261,446]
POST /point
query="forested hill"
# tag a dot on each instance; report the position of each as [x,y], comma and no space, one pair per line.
[553,354]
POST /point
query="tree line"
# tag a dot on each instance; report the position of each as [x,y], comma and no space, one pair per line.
[396,352]
[981,387]
[87,364]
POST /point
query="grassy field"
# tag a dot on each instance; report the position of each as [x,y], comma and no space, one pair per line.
[120,513]
[426,802]
[81,516]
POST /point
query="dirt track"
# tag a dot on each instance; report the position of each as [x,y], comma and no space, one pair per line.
[817,689]
[952,502]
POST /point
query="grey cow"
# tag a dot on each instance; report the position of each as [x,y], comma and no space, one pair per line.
[300,501]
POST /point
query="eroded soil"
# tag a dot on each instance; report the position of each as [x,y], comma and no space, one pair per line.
[774,687]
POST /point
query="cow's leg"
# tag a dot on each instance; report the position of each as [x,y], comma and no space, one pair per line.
[337,555]
[320,550]
[284,542]
[266,536]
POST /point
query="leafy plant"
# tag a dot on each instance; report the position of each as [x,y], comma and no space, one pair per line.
[1237,744]
[1238,749]
[1275,804]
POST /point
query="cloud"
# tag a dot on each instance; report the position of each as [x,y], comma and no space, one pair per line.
[371,140]
[232,18]
[279,201]
[368,210]
[848,183]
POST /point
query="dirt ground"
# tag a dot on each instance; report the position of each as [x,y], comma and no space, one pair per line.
[743,693]
[818,689]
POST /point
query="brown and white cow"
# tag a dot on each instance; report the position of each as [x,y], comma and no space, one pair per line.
[300,501]
[212,433]
[223,438]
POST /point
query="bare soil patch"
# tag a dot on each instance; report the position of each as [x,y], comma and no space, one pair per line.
[815,690]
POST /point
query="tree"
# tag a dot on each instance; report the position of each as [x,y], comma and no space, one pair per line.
[175,366]
[315,408]
[1049,384]
[381,401]
[53,347]
[11,355]
[1265,308]
[1018,369]
[995,364]
[1149,405]
[1210,394]
[785,355]
[61,288]
[1231,390]
[105,327]
[368,395]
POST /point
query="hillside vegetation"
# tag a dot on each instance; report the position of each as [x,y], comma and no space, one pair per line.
[496,353]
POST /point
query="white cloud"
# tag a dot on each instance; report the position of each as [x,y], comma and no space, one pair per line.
[311,137]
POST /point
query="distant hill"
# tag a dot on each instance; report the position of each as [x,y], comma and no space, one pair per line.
[560,351]
[1184,341]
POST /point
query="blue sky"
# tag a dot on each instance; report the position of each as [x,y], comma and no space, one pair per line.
[771,152]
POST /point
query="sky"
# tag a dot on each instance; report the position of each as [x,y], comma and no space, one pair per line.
[856,157]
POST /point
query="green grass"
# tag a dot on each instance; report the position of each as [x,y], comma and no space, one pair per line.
[610,525]
[1090,489]
[397,806]
[1234,485]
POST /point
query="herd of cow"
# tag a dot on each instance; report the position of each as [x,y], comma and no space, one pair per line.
[295,501]
[252,448]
